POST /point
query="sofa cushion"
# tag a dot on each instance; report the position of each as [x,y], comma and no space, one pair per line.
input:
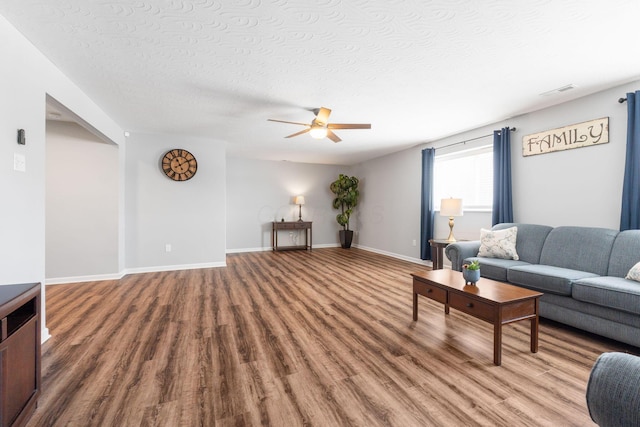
[546,278]
[625,253]
[530,239]
[579,248]
[609,291]
[495,268]
[498,243]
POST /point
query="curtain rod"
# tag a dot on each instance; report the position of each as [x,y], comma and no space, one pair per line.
[621,100]
[469,140]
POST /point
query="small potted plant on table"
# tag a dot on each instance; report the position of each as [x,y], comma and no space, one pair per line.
[471,272]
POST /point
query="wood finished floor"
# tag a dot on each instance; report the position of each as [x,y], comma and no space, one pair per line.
[293,339]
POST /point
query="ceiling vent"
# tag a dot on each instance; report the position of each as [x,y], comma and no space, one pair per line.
[559,90]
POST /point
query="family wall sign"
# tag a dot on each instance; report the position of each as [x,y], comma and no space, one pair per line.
[578,135]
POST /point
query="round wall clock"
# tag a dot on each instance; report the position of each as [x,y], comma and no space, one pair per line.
[179,164]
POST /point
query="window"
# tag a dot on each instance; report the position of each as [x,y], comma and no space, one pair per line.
[467,175]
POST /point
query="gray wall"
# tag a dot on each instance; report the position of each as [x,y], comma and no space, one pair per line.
[189,215]
[389,215]
[574,187]
[389,211]
[82,189]
[260,191]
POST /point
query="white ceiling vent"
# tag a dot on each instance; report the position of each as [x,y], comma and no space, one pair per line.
[559,90]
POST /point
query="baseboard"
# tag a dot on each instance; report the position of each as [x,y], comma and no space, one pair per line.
[243,250]
[394,255]
[174,267]
[78,279]
[44,335]
[155,269]
[269,248]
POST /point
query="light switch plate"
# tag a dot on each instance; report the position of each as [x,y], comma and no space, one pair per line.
[19,162]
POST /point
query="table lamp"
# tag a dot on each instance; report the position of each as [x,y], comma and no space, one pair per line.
[451,207]
[299,200]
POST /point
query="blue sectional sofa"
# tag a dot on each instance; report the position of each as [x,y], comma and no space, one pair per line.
[580,270]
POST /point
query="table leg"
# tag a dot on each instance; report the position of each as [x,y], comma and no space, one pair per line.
[534,330]
[436,257]
[497,343]
[534,335]
[415,306]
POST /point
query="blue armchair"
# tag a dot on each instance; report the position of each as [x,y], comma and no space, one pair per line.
[613,391]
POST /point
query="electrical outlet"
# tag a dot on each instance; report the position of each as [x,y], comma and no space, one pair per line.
[414,242]
[167,247]
[19,162]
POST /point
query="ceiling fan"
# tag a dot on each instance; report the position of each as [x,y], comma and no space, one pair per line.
[321,128]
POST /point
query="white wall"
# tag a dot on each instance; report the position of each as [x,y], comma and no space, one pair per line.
[574,187]
[82,203]
[26,77]
[189,215]
[261,191]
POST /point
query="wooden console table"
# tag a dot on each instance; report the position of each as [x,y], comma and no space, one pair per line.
[19,352]
[291,226]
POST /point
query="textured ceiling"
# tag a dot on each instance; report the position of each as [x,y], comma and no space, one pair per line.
[416,70]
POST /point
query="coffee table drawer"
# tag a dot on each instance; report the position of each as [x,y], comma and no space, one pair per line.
[471,306]
[430,291]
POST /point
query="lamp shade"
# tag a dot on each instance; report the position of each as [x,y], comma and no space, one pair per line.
[451,207]
[298,200]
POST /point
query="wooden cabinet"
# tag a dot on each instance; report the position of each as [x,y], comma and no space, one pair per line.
[19,352]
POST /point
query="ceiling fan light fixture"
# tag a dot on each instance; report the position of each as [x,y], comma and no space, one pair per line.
[318,132]
[321,128]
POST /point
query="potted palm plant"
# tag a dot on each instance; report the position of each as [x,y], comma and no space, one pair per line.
[346,193]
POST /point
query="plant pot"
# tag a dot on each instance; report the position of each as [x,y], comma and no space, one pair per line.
[346,237]
[470,276]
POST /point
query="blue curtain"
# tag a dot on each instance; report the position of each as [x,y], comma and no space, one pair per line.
[630,215]
[502,202]
[427,212]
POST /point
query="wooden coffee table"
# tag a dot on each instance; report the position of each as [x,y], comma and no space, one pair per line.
[495,302]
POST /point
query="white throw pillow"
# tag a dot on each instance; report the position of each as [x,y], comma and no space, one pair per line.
[498,243]
[634,273]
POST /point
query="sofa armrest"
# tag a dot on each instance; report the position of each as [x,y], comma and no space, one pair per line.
[457,252]
[613,391]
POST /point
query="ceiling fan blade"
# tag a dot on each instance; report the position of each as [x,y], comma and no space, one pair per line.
[323,115]
[284,121]
[349,126]
[332,136]
[299,133]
